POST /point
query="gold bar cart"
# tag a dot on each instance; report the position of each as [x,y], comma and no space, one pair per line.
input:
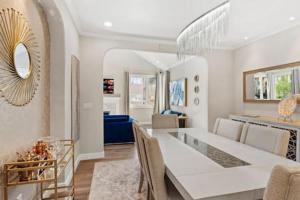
[48,174]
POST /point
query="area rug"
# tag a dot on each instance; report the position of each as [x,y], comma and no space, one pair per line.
[116,180]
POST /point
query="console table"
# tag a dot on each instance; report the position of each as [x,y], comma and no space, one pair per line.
[292,126]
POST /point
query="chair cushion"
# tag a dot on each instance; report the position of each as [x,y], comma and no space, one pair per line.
[164,121]
[284,184]
[229,129]
[269,139]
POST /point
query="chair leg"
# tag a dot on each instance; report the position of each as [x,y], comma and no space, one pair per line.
[149,195]
[141,181]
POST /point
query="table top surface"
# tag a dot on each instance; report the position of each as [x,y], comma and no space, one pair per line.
[200,176]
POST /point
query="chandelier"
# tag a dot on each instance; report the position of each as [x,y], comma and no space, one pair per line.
[203,33]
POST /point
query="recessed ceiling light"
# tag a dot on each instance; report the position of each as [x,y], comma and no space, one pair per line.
[246,38]
[292,18]
[107,24]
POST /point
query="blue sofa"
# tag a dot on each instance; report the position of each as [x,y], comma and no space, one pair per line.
[118,129]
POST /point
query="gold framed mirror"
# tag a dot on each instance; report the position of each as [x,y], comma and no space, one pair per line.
[19,58]
[271,84]
[22,61]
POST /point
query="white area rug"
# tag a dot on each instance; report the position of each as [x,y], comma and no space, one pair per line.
[116,180]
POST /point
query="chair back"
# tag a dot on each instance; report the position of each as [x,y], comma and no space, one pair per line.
[136,129]
[266,138]
[284,184]
[164,121]
[228,128]
[154,166]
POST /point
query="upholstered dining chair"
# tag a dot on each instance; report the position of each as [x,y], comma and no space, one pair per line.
[136,129]
[266,138]
[284,184]
[154,167]
[164,121]
[228,128]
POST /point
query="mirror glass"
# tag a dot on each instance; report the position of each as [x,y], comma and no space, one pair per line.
[22,61]
[272,84]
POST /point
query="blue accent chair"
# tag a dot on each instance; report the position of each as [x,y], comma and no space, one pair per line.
[118,129]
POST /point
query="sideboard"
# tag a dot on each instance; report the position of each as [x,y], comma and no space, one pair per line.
[292,126]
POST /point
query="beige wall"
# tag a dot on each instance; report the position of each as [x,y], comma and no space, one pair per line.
[278,49]
[220,85]
[21,125]
[92,52]
[198,116]
[119,61]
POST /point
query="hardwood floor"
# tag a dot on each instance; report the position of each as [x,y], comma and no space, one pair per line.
[84,172]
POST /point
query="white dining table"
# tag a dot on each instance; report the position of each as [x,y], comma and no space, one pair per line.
[198,177]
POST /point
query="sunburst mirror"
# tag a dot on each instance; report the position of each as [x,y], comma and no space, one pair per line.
[19,58]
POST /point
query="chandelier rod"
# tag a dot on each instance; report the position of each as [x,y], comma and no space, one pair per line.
[203,15]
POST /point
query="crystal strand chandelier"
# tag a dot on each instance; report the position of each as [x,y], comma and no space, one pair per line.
[203,33]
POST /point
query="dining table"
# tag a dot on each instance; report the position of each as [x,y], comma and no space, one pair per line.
[205,166]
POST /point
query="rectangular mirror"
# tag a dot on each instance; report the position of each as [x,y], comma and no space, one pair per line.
[271,84]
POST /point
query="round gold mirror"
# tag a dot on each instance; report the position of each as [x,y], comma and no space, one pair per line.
[22,61]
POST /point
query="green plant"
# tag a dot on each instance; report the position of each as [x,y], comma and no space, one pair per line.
[283,86]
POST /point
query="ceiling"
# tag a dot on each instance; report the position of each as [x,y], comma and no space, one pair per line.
[164,19]
[163,61]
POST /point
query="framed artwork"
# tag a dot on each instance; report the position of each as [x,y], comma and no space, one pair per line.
[108,86]
[75,94]
[178,92]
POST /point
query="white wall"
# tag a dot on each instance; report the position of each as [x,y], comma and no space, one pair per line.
[220,85]
[116,63]
[198,115]
[278,49]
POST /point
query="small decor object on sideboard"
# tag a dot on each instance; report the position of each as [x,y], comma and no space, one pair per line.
[287,107]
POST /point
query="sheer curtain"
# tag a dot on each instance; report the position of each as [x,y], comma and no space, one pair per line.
[162,97]
[126,94]
[296,81]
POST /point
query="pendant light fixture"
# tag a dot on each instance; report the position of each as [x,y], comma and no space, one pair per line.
[203,33]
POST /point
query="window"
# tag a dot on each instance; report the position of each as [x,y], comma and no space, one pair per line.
[283,85]
[142,90]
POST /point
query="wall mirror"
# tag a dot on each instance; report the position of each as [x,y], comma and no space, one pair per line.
[22,61]
[271,84]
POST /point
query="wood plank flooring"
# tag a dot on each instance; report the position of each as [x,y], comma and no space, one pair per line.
[84,172]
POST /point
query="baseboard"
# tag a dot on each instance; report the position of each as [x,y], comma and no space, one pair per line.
[81,157]
[90,156]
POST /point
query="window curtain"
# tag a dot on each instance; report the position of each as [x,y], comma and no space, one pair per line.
[296,81]
[162,97]
[126,93]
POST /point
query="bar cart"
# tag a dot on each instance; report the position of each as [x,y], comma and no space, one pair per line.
[46,173]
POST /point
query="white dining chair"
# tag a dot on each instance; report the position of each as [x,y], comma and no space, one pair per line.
[136,128]
[266,138]
[228,128]
[284,184]
[164,121]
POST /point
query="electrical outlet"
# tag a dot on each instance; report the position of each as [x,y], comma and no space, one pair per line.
[20,197]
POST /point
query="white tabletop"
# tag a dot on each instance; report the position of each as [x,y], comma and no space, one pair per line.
[197,177]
